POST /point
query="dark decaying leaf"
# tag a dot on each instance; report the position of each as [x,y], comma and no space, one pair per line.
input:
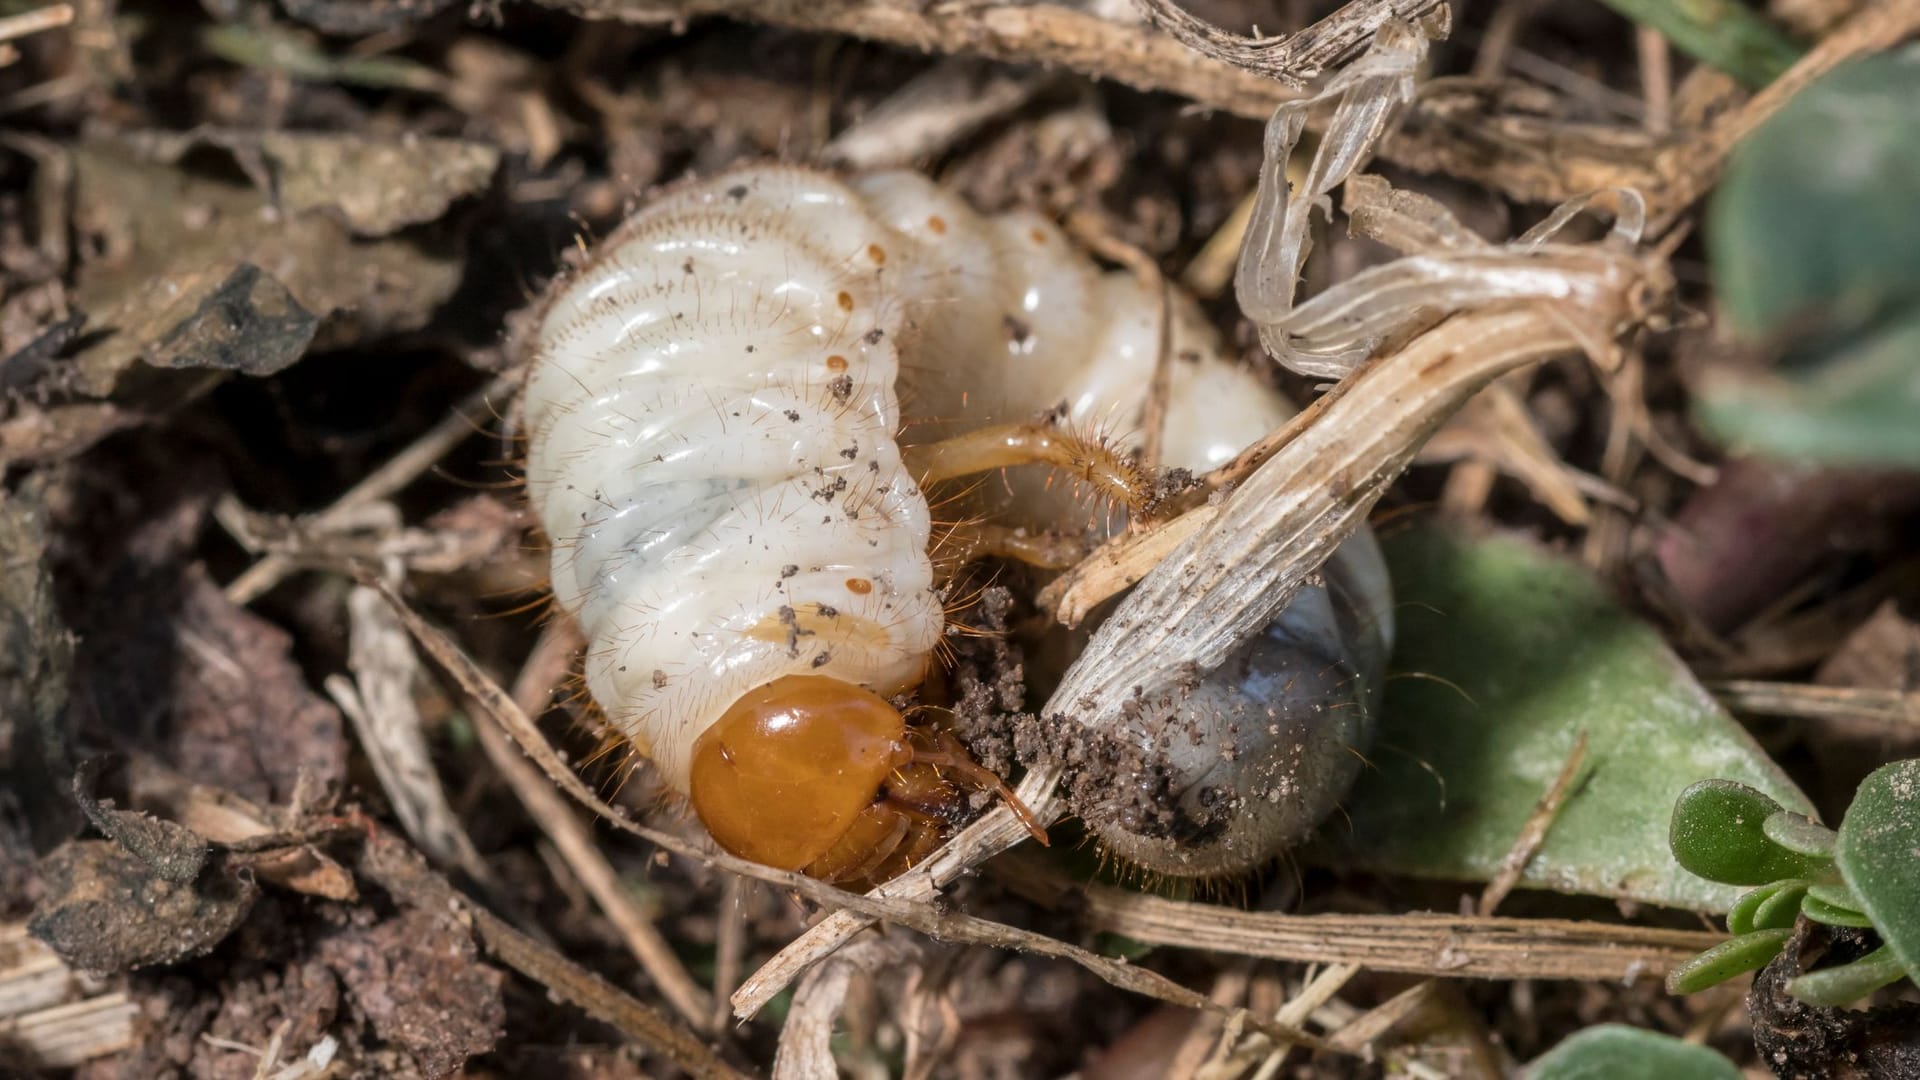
[418,978]
[375,186]
[174,852]
[106,909]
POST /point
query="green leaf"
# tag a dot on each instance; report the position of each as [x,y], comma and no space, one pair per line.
[1724,33]
[1859,405]
[1718,832]
[1821,911]
[1815,212]
[1799,833]
[1837,986]
[1505,654]
[1740,916]
[1780,908]
[1618,1052]
[1734,956]
[1879,856]
[1814,245]
[1769,907]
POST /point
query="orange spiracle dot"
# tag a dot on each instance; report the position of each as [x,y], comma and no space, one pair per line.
[877,253]
[836,362]
[1039,237]
[937,225]
[846,301]
[791,768]
[859,586]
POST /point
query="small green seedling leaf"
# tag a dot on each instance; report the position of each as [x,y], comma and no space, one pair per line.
[1779,909]
[1837,986]
[1833,914]
[1718,833]
[1734,956]
[1618,1052]
[1740,917]
[1835,895]
[1799,833]
[1879,856]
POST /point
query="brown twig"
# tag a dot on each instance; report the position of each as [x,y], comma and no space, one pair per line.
[574,841]
[1534,832]
[1458,946]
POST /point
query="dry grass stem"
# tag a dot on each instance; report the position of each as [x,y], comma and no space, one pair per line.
[379,701]
[574,840]
[1534,832]
[1459,946]
[1894,708]
[1692,166]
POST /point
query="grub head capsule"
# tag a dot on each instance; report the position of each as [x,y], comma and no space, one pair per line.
[1228,768]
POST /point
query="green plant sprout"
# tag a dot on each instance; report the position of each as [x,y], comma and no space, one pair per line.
[1866,875]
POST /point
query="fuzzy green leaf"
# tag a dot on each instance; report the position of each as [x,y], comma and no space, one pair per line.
[1780,909]
[1799,833]
[1734,956]
[1618,1052]
[1816,250]
[1821,911]
[1506,653]
[1879,856]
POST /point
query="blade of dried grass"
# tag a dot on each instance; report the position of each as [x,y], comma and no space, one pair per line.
[1534,832]
[1458,946]
[379,701]
[1895,708]
[574,841]
[1690,167]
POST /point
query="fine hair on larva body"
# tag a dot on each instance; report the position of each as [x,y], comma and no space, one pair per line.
[718,454]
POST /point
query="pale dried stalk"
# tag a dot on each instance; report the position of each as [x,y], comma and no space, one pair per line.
[54,1016]
[379,702]
[53,16]
[938,108]
[1359,442]
[1534,832]
[1542,159]
[1459,946]
[1056,35]
[1692,166]
[574,841]
[1895,708]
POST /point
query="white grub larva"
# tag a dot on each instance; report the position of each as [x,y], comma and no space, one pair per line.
[715,449]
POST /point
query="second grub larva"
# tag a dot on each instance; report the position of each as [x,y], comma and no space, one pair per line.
[732,413]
